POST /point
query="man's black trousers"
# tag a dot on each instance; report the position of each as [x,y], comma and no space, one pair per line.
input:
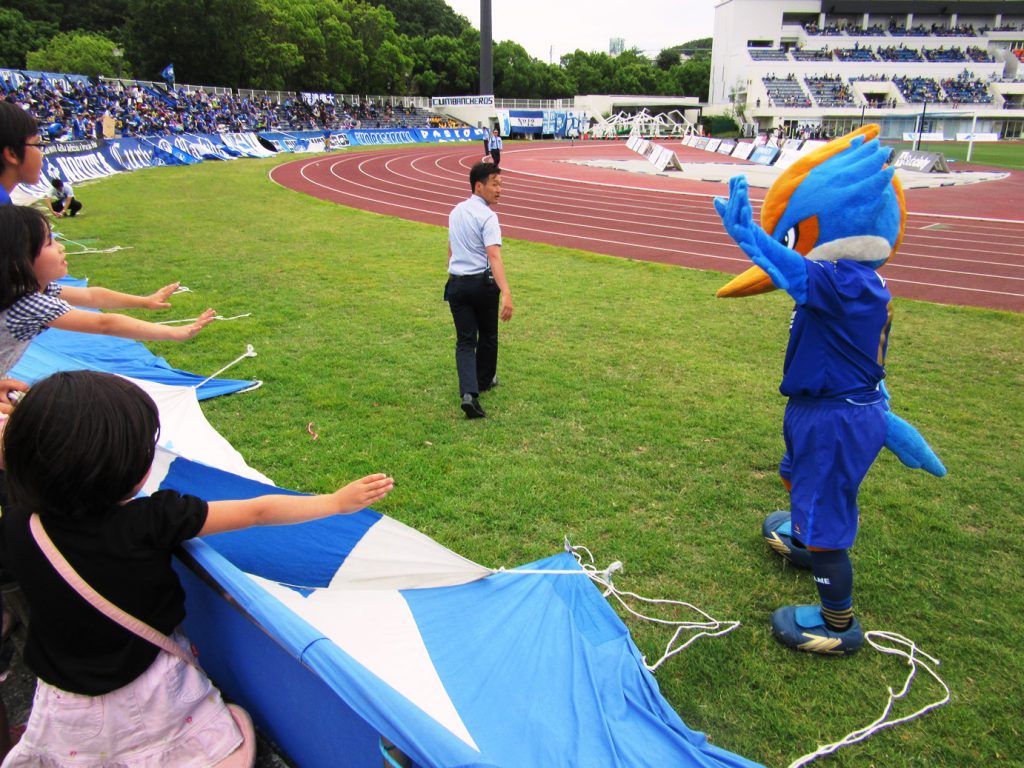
[73,208]
[474,300]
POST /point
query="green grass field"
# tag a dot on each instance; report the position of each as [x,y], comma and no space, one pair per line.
[638,415]
[1001,154]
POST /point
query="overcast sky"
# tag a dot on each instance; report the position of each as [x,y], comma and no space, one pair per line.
[565,25]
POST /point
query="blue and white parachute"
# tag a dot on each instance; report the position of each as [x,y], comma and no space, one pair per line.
[339,631]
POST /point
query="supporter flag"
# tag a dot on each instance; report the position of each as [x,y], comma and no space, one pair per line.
[168,74]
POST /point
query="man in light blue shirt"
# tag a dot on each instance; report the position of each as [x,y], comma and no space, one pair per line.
[476,285]
[494,147]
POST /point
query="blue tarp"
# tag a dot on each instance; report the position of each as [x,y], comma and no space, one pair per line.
[540,669]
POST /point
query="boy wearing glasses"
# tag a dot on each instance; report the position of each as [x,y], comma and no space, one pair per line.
[21,150]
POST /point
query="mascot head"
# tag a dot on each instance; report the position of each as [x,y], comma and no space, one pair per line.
[840,201]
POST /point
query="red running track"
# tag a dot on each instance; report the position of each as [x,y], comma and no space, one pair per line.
[963,245]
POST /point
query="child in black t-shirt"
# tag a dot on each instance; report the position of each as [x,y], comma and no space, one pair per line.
[78,448]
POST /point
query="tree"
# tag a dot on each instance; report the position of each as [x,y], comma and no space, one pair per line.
[443,66]
[699,48]
[667,58]
[691,78]
[635,74]
[425,18]
[83,53]
[514,71]
[20,34]
[589,72]
[106,17]
[373,28]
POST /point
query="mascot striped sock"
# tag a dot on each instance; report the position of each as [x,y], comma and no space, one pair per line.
[833,573]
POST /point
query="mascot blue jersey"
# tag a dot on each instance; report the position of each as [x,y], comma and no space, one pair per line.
[839,335]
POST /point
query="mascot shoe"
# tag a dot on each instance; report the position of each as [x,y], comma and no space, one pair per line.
[778,534]
[803,628]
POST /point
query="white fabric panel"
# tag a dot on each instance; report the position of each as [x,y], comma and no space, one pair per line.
[392,555]
[185,431]
[377,629]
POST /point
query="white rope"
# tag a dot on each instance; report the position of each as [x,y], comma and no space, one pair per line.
[85,249]
[112,249]
[915,658]
[249,352]
[710,628]
[193,319]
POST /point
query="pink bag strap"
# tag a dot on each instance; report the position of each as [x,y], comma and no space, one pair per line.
[97,601]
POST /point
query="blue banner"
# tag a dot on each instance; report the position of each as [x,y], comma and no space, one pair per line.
[543,122]
[86,159]
[764,155]
[450,134]
[297,141]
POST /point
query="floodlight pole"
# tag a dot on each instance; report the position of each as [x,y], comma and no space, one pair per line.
[486,53]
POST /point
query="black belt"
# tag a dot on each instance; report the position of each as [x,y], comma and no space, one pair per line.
[474,276]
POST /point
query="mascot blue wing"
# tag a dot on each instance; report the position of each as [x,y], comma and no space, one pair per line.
[903,439]
[786,268]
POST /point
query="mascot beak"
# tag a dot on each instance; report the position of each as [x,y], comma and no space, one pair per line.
[752,282]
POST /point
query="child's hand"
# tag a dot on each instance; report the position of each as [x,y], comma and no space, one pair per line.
[362,493]
[158,300]
[7,387]
[189,331]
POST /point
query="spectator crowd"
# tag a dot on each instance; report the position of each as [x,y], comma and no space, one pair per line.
[77,109]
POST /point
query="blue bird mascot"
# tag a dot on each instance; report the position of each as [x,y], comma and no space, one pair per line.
[828,223]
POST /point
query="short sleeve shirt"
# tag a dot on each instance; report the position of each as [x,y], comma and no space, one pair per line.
[472,227]
[25,319]
[62,194]
[839,336]
[125,555]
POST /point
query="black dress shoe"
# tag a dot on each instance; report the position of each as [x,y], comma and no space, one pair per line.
[472,408]
[490,385]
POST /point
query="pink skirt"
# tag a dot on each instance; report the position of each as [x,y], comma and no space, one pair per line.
[171,716]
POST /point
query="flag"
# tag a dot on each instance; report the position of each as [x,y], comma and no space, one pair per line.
[168,74]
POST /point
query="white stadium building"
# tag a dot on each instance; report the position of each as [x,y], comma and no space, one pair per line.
[826,66]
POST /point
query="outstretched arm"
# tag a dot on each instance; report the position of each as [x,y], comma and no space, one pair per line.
[128,327]
[786,268]
[104,298]
[284,510]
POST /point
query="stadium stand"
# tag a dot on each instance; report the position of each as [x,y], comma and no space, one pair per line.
[767,54]
[857,53]
[966,90]
[918,89]
[786,92]
[77,108]
[870,60]
[824,54]
[899,53]
[974,53]
[941,53]
[829,91]
[875,30]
